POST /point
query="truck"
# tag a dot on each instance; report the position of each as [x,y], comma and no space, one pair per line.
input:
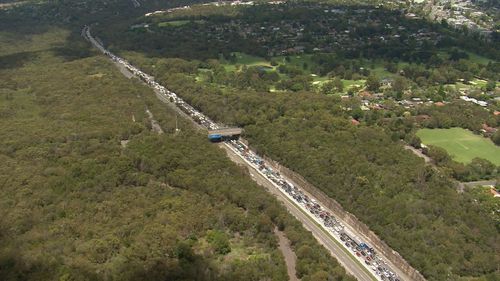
[215,137]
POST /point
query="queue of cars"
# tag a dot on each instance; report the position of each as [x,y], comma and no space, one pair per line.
[330,223]
[359,248]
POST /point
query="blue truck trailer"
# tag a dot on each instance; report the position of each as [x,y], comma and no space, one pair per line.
[224,134]
[215,137]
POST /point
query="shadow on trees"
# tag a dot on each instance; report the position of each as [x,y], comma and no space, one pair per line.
[13,267]
[16,60]
[73,49]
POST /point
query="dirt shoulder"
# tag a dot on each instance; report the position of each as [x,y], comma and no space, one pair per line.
[288,253]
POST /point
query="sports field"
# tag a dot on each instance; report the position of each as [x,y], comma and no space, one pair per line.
[461,144]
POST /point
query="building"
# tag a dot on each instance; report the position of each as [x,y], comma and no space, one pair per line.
[494,192]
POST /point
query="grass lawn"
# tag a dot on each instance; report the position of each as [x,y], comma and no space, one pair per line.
[380,71]
[202,75]
[472,57]
[378,68]
[477,58]
[244,59]
[353,83]
[461,144]
[320,80]
[298,61]
[176,23]
[478,83]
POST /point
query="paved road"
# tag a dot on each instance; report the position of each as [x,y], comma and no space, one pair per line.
[419,153]
[345,259]
[480,183]
[461,185]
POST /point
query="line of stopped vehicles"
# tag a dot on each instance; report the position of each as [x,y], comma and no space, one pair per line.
[361,250]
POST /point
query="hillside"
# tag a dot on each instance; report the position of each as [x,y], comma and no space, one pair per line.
[79,202]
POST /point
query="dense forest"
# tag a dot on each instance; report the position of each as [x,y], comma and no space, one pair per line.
[79,202]
[413,207]
[69,177]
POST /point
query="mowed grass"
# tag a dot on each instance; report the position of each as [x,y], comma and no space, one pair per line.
[175,23]
[300,61]
[245,59]
[297,60]
[461,144]
[473,57]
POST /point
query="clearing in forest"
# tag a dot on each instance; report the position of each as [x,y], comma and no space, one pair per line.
[461,144]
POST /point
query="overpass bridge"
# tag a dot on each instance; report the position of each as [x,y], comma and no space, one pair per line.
[224,134]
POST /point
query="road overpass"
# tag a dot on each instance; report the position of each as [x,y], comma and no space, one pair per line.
[313,215]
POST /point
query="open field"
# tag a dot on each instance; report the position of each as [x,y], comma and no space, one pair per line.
[244,59]
[176,23]
[378,68]
[461,144]
[299,61]
[353,83]
[477,58]
[472,57]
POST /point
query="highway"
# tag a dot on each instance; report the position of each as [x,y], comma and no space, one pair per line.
[345,259]
[356,256]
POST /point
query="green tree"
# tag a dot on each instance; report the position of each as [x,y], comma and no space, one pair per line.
[337,82]
[491,85]
[373,83]
[438,154]
[327,88]
[496,137]
[399,85]
[219,241]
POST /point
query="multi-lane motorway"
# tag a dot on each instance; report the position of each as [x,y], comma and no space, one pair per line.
[344,258]
[357,257]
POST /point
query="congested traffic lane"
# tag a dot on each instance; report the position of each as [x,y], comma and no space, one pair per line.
[361,252]
[365,255]
[336,249]
[344,258]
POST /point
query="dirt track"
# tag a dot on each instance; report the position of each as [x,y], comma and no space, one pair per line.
[289,254]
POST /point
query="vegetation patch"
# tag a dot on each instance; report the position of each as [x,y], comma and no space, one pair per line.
[461,144]
[177,23]
[77,205]
[238,58]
